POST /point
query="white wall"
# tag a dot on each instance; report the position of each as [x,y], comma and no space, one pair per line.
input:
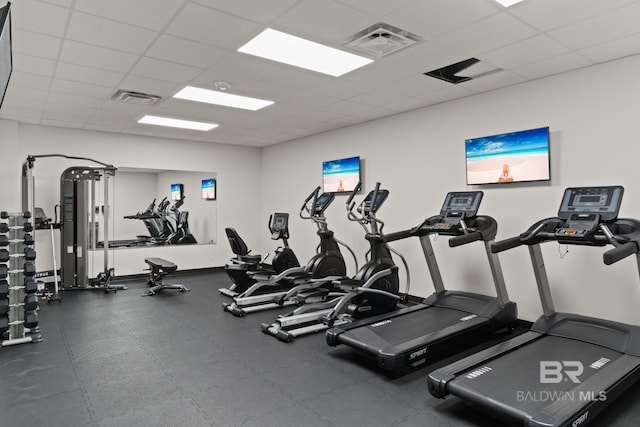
[237,170]
[419,157]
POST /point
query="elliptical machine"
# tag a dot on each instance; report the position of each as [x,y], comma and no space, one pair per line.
[372,291]
[244,265]
[267,293]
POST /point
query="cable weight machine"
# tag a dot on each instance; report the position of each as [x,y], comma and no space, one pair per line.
[80,215]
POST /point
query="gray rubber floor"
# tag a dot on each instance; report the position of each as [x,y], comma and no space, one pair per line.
[176,359]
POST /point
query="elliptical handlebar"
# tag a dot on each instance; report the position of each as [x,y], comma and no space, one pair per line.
[305,204]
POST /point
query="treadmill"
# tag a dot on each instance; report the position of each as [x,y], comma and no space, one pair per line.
[447,321]
[568,367]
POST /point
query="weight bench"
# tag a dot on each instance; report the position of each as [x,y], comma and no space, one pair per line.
[158,269]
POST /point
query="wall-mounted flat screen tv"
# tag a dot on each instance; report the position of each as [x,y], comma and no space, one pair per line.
[177,191]
[521,156]
[6,56]
[209,189]
[340,176]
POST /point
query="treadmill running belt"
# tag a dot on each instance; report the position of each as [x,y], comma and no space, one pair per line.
[518,379]
[401,329]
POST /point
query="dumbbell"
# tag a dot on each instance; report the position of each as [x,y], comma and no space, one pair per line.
[29,254]
[31,319]
[4,227]
[30,285]
[30,302]
[4,288]
[4,306]
[5,214]
[29,269]
[4,323]
[27,240]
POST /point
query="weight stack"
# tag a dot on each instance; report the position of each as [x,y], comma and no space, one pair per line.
[19,270]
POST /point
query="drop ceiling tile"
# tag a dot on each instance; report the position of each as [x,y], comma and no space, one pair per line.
[447,93]
[378,73]
[33,81]
[208,26]
[152,14]
[186,52]
[110,34]
[89,75]
[39,17]
[493,81]
[341,89]
[326,22]
[86,89]
[376,7]
[527,51]
[537,13]
[488,34]
[618,48]
[163,70]
[30,43]
[430,19]
[66,99]
[254,10]
[65,3]
[556,65]
[609,26]
[98,57]
[61,121]
[30,96]
[32,64]
[346,107]
[408,104]
[426,56]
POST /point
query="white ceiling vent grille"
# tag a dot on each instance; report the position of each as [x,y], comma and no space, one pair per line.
[381,40]
[130,97]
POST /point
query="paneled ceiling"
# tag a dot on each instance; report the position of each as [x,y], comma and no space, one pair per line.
[71,56]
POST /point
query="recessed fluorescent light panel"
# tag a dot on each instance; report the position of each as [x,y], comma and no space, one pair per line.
[507,3]
[292,50]
[197,94]
[176,123]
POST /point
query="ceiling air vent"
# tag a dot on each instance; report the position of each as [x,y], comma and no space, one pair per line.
[381,40]
[130,97]
[471,68]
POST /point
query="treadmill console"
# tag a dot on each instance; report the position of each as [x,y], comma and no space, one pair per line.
[583,208]
[322,203]
[369,205]
[457,206]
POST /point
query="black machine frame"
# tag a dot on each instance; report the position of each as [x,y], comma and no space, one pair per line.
[584,362]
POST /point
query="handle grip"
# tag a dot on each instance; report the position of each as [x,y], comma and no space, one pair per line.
[313,193]
[353,193]
[464,239]
[503,245]
[619,252]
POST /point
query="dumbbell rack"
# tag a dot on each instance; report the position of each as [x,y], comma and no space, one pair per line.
[18,298]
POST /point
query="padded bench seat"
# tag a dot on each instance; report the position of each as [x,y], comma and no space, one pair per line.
[158,269]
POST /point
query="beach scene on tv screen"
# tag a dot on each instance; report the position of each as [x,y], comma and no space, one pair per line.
[509,157]
[340,175]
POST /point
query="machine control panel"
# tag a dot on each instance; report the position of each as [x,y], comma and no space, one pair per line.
[369,205]
[604,201]
[322,203]
[466,202]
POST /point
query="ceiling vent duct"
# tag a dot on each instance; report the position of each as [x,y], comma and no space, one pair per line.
[382,39]
[130,97]
[463,71]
